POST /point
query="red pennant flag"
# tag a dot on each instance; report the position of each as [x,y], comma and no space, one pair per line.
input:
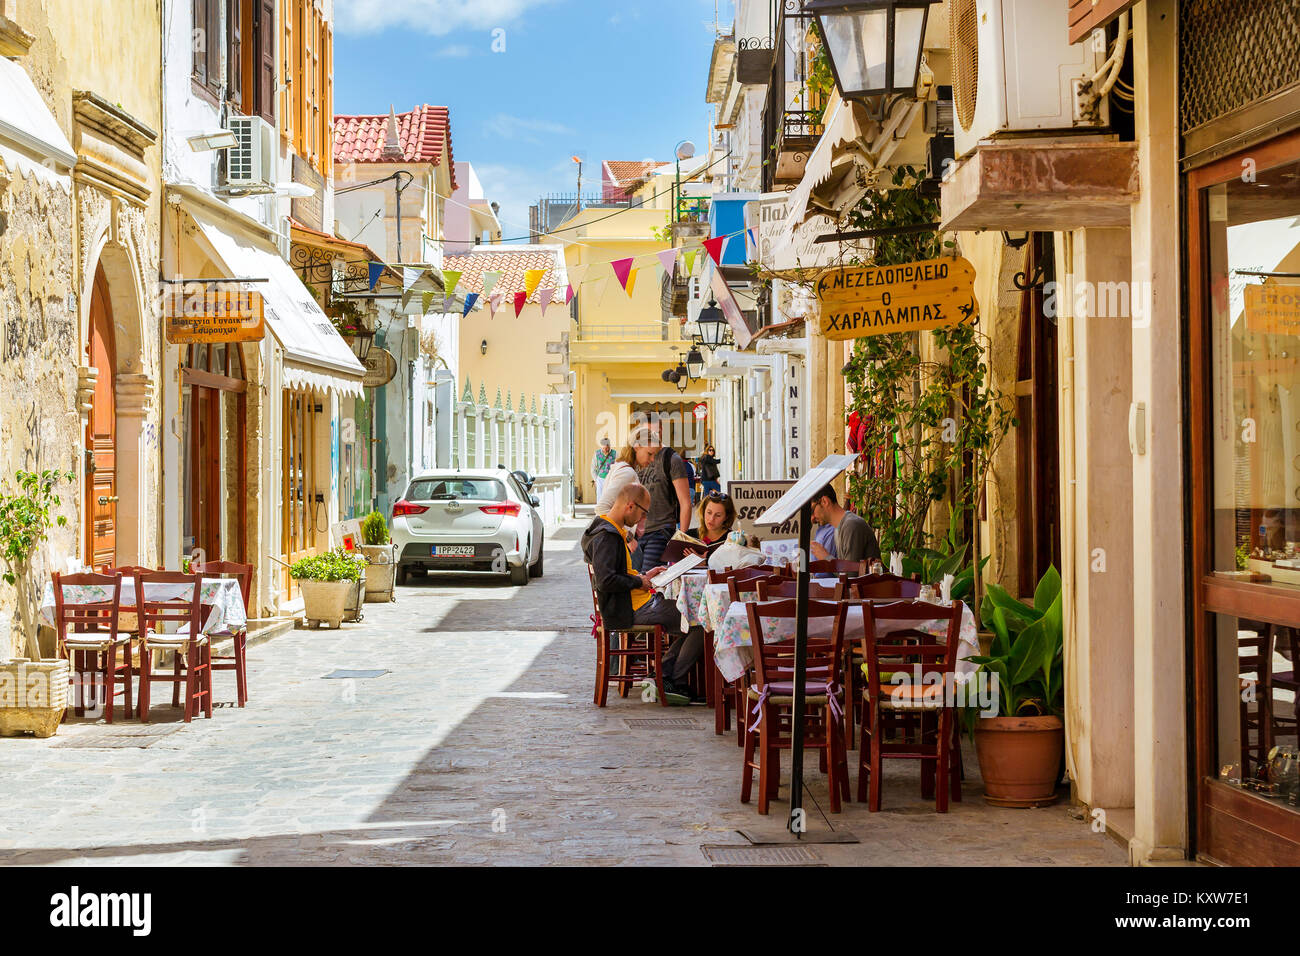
[714,247]
[520,298]
[568,294]
[622,268]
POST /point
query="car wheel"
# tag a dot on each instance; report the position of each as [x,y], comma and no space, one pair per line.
[519,575]
[536,570]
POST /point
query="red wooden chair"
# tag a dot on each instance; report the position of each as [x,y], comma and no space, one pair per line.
[785,588]
[192,652]
[128,620]
[89,638]
[862,588]
[237,661]
[935,659]
[744,587]
[723,695]
[772,696]
[639,654]
[853,568]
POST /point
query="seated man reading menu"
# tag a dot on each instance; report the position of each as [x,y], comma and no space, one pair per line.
[626,597]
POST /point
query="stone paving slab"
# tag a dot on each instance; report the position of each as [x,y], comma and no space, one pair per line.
[481,746]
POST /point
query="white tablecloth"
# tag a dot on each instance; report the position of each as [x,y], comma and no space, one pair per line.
[222,594]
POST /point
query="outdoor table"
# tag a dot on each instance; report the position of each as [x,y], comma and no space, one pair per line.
[733,644]
[716,600]
[223,594]
[687,592]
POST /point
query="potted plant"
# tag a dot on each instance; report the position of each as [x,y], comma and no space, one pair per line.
[1020,749]
[326,580]
[379,557]
[26,517]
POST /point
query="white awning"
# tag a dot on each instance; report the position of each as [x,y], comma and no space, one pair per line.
[30,138]
[315,355]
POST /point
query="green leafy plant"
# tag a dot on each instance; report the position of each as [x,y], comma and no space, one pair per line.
[374,529]
[932,565]
[27,513]
[1028,650]
[26,516]
[336,565]
[1243,557]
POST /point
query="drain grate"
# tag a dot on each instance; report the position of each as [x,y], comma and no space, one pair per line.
[107,738]
[760,855]
[656,723]
[353,675]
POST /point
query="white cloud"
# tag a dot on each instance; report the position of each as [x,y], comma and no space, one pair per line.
[455,50]
[516,187]
[523,129]
[436,17]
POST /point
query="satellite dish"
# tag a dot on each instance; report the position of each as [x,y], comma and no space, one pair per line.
[686,150]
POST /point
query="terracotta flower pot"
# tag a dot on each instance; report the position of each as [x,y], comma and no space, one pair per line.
[1020,759]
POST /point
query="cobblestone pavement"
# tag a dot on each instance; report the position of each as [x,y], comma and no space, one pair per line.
[479,746]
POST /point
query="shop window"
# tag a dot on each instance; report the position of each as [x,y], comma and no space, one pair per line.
[303,490]
[248,40]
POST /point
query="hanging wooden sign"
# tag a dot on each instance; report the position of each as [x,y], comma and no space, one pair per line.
[381,367]
[909,297]
[207,314]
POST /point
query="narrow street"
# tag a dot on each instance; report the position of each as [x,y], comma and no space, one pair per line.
[479,745]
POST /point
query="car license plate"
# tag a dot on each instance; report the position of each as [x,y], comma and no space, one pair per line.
[452,550]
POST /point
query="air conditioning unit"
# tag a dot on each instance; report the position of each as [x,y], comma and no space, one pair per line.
[252,161]
[1014,70]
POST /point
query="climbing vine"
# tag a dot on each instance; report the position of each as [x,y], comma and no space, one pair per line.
[927,427]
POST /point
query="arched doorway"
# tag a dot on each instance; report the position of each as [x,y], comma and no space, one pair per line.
[101,432]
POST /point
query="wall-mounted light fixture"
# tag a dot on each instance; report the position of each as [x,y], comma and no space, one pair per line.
[483,347]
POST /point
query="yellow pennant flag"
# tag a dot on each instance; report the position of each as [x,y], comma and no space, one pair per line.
[452,279]
[690,261]
[426,301]
[631,282]
[532,279]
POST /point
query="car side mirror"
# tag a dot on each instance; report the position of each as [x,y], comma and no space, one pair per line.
[534,501]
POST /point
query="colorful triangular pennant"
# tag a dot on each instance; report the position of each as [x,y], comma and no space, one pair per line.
[544,297]
[578,273]
[494,302]
[690,260]
[520,298]
[568,294]
[622,269]
[450,280]
[532,279]
[668,259]
[490,279]
[470,299]
[630,284]
[714,247]
[426,298]
[376,269]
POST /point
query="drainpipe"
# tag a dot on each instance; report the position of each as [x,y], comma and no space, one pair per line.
[1069,484]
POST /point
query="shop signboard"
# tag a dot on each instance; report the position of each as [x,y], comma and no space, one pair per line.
[381,367]
[199,312]
[1273,309]
[751,499]
[908,297]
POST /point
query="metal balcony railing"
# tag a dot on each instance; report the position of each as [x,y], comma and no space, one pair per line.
[643,332]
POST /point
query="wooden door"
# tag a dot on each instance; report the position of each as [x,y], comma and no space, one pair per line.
[101,434]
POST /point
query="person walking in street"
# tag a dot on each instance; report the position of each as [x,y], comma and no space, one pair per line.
[663,472]
[627,598]
[710,476]
[854,539]
[601,463]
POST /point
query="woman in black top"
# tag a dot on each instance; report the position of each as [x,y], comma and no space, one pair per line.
[709,473]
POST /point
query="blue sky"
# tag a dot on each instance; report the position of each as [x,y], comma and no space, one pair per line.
[601,79]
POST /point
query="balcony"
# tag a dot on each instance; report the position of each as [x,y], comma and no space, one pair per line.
[792,115]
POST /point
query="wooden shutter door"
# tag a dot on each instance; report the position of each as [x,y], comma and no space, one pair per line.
[264,59]
[235,55]
[199,40]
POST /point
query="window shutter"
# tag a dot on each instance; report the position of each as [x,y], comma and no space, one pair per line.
[235,54]
[199,40]
[264,59]
[1088,15]
[213,43]
[327,101]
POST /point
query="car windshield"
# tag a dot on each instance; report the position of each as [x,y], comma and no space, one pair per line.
[455,489]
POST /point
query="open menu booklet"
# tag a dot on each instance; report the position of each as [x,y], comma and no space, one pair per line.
[671,574]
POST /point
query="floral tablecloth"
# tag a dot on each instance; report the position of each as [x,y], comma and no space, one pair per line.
[733,644]
[687,592]
[222,594]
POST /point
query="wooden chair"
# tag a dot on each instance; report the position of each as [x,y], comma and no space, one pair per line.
[1286,642]
[725,696]
[869,587]
[772,697]
[237,661]
[785,588]
[910,650]
[852,568]
[89,638]
[1253,674]
[639,654]
[742,587]
[128,621]
[192,661]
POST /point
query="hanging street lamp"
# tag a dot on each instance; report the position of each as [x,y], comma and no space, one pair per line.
[695,364]
[874,45]
[712,325]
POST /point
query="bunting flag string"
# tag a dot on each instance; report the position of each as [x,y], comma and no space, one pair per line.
[425,299]
[544,299]
[714,247]
[568,294]
[470,299]
[630,284]
[690,260]
[450,279]
[532,279]
[494,302]
[521,297]
[375,269]
[490,280]
[622,269]
[577,273]
[668,259]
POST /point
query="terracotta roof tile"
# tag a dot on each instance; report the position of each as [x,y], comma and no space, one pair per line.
[422,134]
[622,177]
[511,265]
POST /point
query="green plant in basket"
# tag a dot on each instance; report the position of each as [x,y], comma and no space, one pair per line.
[374,529]
[336,565]
[1028,650]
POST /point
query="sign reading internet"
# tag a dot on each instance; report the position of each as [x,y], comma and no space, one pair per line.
[751,499]
[907,297]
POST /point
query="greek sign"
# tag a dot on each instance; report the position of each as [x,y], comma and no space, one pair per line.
[1273,309]
[907,297]
[751,499]
[200,313]
[381,366]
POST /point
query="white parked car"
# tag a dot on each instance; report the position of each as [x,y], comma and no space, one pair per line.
[474,520]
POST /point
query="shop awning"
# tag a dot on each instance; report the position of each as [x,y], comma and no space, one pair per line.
[30,138]
[315,355]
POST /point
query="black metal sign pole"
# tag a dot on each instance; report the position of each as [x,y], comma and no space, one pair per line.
[797,824]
